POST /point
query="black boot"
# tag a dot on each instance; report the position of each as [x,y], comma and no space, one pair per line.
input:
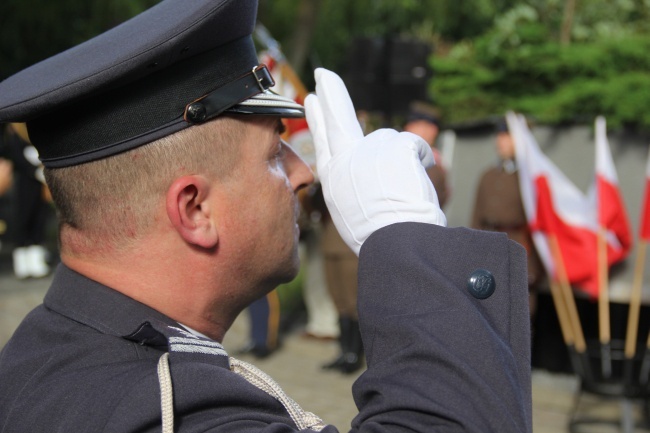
[343,343]
[350,358]
[353,352]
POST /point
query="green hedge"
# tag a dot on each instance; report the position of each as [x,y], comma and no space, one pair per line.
[547,81]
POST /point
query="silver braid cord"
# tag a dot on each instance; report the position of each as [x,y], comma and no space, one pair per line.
[166,394]
[261,380]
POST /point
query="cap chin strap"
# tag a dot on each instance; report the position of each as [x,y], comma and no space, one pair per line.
[219,100]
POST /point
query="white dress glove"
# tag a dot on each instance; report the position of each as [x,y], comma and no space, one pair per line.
[368,182]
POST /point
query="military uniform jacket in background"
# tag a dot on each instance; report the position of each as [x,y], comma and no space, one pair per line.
[440,358]
[499,207]
[438,176]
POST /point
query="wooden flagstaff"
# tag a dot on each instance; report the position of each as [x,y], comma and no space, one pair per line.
[635,302]
[604,321]
[562,314]
[567,295]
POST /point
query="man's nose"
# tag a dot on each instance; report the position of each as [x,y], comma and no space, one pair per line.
[299,173]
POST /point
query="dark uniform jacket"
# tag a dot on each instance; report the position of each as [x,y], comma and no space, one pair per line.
[439,357]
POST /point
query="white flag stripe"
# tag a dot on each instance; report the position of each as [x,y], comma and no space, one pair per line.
[605,168]
[571,204]
[604,163]
[525,155]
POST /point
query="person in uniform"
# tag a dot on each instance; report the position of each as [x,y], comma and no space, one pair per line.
[31,209]
[177,207]
[498,207]
[341,274]
[264,326]
[422,121]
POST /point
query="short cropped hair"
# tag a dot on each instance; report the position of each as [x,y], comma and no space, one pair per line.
[113,200]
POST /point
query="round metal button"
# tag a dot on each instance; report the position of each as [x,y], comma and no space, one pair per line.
[481,284]
[196,112]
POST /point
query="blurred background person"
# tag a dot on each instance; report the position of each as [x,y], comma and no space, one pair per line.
[6,169]
[423,121]
[498,207]
[340,266]
[28,225]
[6,176]
[264,319]
[322,317]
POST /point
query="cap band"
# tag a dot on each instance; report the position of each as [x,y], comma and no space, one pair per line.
[217,101]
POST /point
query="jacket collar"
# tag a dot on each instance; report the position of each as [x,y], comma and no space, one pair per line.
[104,309]
[112,313]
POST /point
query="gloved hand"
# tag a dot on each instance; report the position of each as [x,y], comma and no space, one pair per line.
[368,182]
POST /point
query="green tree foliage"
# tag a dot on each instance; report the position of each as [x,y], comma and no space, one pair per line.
[491,55]
[340,21]
[32,30]
[520,65]
[495,55]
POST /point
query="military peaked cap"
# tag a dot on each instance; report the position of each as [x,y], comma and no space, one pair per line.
[175,65]
[422,111]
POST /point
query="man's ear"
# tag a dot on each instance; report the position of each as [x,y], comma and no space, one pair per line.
[190,212]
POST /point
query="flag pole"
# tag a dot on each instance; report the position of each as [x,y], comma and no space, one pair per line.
[633,323]
[604,324]
[562,314]
[567,294]
[566,303]
[565,327]
[635,302]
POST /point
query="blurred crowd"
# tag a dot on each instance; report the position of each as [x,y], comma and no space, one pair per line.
[329,275]
[24,223]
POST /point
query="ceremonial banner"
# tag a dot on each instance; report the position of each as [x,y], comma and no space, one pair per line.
[612,215]
[556,207]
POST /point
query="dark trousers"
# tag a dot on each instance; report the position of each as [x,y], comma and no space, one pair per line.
[30,218]
[265,320]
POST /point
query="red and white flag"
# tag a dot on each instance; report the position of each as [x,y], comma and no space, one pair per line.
[645,209]
[611,212]
[555,207]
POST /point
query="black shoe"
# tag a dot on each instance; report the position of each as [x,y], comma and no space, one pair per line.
[351,363]
[350,359]
[258,351]
[336,364]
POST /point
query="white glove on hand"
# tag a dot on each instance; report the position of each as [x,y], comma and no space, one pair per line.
[368,182]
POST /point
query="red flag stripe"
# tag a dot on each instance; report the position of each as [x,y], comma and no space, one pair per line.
[613,216]
[577,244]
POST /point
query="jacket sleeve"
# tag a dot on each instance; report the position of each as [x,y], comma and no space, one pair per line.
[440,359]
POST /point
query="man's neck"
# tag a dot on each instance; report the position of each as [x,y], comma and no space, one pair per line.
[180,286]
